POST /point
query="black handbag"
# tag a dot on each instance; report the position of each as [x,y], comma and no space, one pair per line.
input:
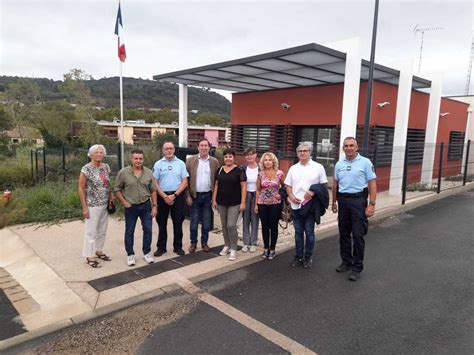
[111,207]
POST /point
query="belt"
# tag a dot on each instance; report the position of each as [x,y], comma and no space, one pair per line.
[169,192]
[138,204]
[354,195]
[203,193]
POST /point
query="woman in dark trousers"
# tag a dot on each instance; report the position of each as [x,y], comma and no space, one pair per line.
[229,199]
[269,182]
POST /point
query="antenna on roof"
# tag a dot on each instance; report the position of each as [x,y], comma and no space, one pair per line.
[423,30]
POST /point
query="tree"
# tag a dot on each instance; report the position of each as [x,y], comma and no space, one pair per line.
[210,119]
[54,121]
[6,121]
[80,97]
[23,96]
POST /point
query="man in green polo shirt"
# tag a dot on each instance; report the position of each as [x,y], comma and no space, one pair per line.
[134,188]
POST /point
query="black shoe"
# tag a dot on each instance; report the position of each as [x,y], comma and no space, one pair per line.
[343,268]
[296,262]
[308,262]
[354,276]
[179,252]
[159,252]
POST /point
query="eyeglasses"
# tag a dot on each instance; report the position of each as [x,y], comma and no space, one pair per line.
[303,151]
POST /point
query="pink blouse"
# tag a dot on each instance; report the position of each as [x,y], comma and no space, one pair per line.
[269,189]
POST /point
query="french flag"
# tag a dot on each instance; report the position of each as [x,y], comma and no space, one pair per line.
[119,32]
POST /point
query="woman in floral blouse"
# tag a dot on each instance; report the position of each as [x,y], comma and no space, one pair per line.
[95,194]
[269,182]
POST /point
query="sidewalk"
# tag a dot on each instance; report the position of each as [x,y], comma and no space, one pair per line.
[47,281]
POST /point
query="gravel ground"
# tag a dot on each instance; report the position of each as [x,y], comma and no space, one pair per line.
[121,333]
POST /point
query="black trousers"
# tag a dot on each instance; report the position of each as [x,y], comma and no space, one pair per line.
[177,216]
[269,216]
[353,226]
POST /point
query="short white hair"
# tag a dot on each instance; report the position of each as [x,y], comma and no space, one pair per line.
[307,144]
[94,148]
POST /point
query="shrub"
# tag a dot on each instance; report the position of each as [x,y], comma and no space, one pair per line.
[49,203]
[421,186]
[12,176]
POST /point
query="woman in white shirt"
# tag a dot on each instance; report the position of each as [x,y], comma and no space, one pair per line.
[250,218]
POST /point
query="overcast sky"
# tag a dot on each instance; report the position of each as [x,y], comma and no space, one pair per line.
[44,38]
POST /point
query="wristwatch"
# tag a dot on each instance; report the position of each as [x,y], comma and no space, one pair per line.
[372,203]
[153,205]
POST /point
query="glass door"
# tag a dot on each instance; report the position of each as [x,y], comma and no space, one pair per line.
[324,149]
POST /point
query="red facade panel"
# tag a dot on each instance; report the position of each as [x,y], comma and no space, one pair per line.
[322,105]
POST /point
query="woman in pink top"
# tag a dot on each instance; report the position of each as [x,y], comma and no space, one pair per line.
[269,182]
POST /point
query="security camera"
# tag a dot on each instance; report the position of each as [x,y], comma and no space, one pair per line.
[383,104]
[444,114]
[285,106]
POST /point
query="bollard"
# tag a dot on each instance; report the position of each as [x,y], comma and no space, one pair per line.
[440,167]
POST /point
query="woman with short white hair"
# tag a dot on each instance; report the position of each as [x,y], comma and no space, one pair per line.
[95,194]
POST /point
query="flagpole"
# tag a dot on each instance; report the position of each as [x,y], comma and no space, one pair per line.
[121,120]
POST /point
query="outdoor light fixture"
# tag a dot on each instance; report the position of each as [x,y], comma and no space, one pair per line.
[444,114]
[383,104]
[285,106]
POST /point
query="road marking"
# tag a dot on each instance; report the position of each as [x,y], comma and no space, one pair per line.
[261,329]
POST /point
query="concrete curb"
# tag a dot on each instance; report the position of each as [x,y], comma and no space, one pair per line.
[325,233]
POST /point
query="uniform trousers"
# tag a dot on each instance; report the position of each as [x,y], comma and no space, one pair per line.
[353,226]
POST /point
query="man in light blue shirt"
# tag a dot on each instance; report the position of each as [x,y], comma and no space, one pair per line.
[172,179]
[354,181]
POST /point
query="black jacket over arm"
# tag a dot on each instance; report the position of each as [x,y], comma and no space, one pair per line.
[318,204]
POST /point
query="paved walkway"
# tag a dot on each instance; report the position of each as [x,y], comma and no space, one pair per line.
[56,288]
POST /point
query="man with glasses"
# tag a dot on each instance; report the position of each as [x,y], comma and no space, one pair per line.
[300,178]
[354,181]
[172,180]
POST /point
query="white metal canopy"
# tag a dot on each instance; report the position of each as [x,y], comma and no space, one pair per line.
[308,65]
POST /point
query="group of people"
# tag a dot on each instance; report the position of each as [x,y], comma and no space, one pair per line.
[255,190]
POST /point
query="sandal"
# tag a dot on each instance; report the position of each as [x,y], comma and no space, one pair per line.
[103,257]
[93,263]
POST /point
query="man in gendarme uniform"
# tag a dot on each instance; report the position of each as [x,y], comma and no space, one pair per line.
[134,188]
[354,181]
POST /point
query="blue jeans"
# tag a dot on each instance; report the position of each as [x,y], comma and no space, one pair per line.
[202,203]
[303,225]
[142,211]
[250,221]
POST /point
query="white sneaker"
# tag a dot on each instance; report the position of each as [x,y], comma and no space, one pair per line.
[131,260]
[245,249]
[232,255]
[253,248]
[224,251]
[148,258]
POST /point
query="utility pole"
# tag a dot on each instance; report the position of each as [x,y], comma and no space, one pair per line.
[368,107]
[422,31]
[469,68]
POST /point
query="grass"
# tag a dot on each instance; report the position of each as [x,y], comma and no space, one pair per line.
[459,177]
[422,186]
[46,204]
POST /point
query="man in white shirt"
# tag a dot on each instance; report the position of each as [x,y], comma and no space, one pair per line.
[202,169]
[299,179]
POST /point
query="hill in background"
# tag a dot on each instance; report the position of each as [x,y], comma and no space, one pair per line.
[138,93]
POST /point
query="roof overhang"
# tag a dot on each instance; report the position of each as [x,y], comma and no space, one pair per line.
[308,65]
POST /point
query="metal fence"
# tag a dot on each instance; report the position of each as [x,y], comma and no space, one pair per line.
[452,165]
[64,164]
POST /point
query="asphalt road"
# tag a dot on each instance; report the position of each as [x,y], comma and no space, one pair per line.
[415,295]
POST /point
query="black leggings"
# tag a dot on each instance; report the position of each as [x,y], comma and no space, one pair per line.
[269,215]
